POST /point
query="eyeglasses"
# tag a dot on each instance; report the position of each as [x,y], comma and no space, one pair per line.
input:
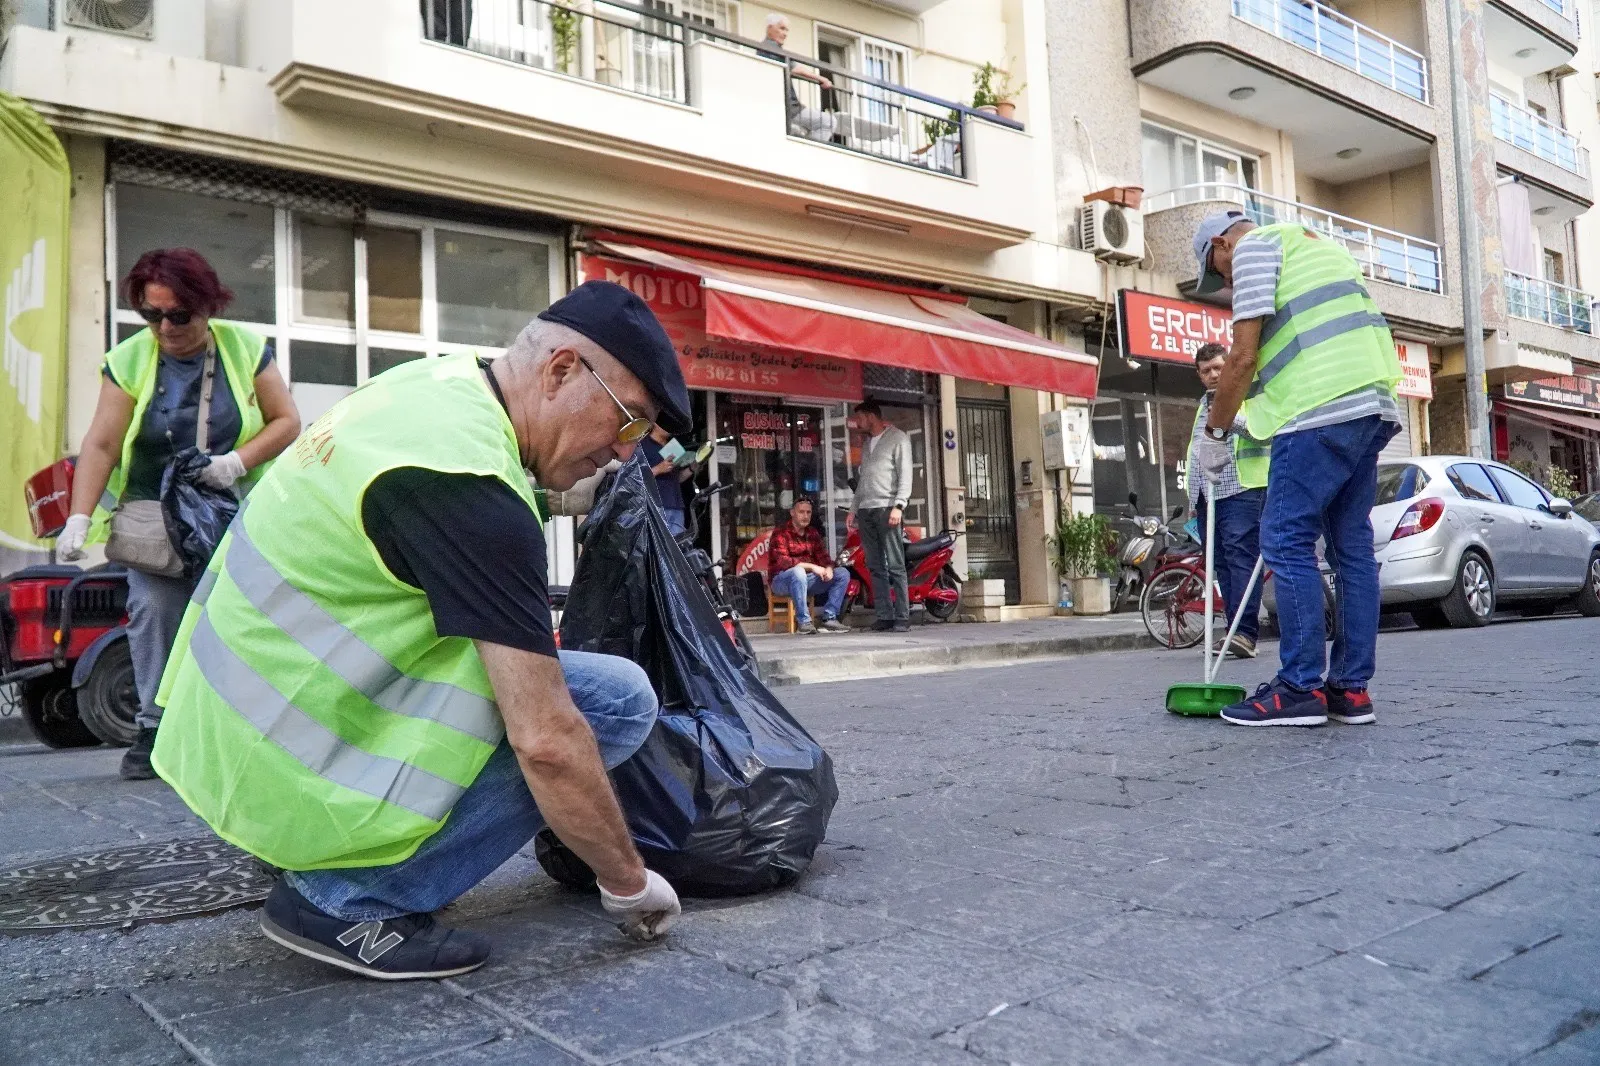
[633,428]
[179,317]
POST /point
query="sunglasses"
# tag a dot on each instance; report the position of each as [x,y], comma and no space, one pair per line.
[179,317]
[633,428]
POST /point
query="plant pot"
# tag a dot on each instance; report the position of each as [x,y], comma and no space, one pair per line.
[1129,196]
[1006,109]
[1091,595]
[988,109]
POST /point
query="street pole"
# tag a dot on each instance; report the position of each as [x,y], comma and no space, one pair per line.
[1463,135]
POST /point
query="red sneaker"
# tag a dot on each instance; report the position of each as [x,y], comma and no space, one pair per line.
[1351,706]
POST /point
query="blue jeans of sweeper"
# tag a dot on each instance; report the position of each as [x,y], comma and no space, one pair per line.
[1323,482]
[496,816]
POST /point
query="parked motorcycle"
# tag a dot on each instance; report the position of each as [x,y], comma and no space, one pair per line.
[930,579]
[1149,545]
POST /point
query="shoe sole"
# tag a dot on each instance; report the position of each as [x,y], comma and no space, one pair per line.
[1353,719]
[1309,720]
[314,950]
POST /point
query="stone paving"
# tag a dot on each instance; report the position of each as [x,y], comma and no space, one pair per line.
[1028,864]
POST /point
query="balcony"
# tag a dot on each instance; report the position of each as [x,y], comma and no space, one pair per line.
[1330,83]
[1556,165]
[1549,302]
[1325,32]
[1529,37]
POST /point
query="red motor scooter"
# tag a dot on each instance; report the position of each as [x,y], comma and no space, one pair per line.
[930,579]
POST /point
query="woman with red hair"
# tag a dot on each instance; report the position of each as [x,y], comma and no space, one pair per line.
[148,411]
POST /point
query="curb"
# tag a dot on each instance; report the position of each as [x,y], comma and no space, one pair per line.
[781,671]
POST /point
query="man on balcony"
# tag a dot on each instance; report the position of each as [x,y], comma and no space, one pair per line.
[1313,369]
[804,121]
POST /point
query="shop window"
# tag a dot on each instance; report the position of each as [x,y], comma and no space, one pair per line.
[324,271]
[323,374]
[489,286]
[394,280]
[236,238]
[381,359]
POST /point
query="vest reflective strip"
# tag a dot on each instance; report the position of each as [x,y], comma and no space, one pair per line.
[1255,449]
[108,501]
[202,588]
[311,743]
[1312,337]
[361,666]
[1306,301]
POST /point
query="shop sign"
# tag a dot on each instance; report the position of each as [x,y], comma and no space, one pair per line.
[1417,382]
[1579,393]
[1159,327]
[769,431]
[712,363]
[754,556]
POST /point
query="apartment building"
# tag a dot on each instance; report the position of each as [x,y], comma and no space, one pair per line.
[1340,116]
[386,180]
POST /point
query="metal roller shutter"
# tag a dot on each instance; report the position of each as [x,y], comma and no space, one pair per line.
[1400,446]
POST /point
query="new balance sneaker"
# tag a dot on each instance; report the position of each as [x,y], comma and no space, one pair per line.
[1352,706]
[1279,703]
[407,948]
[832,625]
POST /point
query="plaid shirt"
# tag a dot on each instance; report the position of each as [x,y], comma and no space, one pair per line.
[789,548]
[1228,483]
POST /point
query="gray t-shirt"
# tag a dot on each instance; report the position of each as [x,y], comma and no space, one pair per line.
[1257,264]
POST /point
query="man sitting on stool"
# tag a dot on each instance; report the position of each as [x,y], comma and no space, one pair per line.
[799,566]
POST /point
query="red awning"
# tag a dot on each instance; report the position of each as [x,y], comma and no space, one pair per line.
[1571,420]
[932,333]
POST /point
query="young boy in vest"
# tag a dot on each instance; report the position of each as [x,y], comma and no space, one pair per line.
[1313,367]
[1238,504]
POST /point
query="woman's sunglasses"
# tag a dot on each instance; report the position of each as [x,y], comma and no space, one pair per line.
[633,428]
[179,317]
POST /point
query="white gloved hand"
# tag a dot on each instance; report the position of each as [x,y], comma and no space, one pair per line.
[69,543]
[1212,457]
[222,471]
[650,913]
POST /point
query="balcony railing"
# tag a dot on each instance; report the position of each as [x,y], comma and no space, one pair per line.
[1558,6]
[1549,301]
[1384,254]
[1526,130]
[1342,39]
[646,52]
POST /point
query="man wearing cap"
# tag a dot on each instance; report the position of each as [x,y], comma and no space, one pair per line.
[1312,368]
[366,691]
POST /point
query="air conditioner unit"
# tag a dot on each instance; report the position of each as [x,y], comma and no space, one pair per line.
[1111,232]
[176,27]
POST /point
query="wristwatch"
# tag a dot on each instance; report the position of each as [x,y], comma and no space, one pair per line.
[1218,434]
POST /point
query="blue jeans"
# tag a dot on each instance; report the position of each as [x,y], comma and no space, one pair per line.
[799,585]
[674,517]
[155,610]
[496,816]
[1238,544]
[1323,482]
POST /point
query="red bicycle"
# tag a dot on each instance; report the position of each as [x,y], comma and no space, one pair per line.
[1174,608]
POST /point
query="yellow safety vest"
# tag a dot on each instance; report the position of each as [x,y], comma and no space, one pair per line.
[1252,457]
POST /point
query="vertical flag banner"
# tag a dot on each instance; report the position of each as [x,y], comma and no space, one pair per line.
[36,189]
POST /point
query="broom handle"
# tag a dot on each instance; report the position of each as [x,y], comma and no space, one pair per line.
[1211,547]
[1238,616]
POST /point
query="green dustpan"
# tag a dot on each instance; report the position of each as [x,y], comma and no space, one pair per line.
[1198,698]
[1207,698]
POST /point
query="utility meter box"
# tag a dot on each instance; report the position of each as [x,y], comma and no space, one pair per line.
[1066,437]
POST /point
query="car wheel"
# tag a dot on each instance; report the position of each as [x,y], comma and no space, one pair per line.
[1587,601]
[1430,618]
[1471,601]
[109,700]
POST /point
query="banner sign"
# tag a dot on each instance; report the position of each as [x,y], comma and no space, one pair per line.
[1576,393]
[35,187]
[1159,327]
[710,363]
[1418,380]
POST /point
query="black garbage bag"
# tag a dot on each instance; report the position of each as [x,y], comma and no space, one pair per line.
[196,515]
[729,795]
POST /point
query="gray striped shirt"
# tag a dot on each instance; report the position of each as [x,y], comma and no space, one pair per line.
[1257,263]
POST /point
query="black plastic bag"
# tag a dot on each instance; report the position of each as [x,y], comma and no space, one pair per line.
[196,515]
[729,795]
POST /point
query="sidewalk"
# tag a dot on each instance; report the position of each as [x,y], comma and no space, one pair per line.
[931,647]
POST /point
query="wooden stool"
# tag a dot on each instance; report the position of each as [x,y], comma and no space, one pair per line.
[776,602]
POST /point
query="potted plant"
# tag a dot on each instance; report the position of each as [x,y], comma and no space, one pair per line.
[992,91]
[565,30]
[1080,550]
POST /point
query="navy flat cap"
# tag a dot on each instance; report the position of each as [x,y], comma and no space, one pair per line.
[622,324]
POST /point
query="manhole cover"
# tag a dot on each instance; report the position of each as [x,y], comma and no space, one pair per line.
[146,882]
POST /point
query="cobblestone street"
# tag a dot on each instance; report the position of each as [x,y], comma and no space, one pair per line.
[1028,864]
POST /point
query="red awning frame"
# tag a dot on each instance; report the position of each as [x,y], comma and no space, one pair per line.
[1572,420]
[833,315]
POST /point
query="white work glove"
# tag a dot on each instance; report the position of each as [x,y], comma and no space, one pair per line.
[1212,457]
[648,914]
[69,544]
[222,471]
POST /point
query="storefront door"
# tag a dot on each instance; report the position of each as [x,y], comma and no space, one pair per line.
[984,429]
[779,455]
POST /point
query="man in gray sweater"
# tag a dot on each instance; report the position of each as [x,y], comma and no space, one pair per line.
[883,485]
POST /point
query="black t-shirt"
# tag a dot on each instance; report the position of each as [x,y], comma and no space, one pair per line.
[472,546]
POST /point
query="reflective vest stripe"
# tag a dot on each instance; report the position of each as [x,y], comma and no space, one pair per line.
[108,500]
[1250,448]
[203,587]
[310,742]
[1309,338]
[1322,294]
[361,666]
